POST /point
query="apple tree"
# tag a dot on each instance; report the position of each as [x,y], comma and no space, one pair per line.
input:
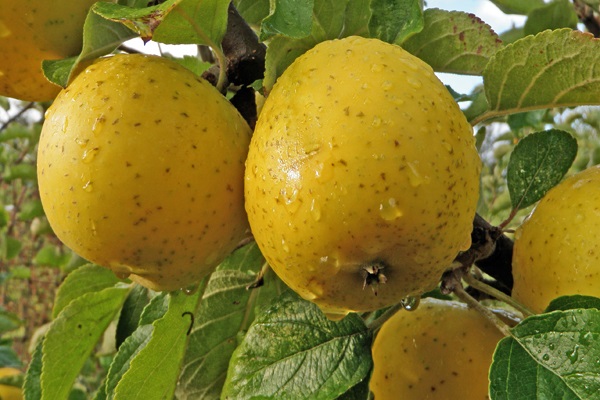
[237,330]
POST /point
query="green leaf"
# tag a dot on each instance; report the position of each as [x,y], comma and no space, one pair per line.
[530,119]
[143,21]
[192,63]
[51,256]
[10,247]
[72,337]
[478,106]
[8,322]
[253,11]
[549,356]
[357,392]
[395,20]
[20,272]
[194,22]
[227,308]
[32,387]
[332,19]
[132,310]
[127,352]
[154,371]
[454,41]
[31,209]
[554,15]
[59,71]
[538,162]
[291,18]
[85,279]
[293,351]
[156,309]
[100,37]
[25,172]
[550,69]
[4,216]
[523,7]
[573,302]
[9,357]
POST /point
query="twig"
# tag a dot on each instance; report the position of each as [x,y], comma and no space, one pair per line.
[17,115]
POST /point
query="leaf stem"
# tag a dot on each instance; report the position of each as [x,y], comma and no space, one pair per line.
[497,294]
[220,55]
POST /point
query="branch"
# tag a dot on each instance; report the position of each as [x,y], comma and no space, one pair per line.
[245,54]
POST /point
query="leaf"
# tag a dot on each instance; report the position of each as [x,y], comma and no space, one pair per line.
[9,357]
[523,7]
[156,309]
[143,21]
[291,18]
[253,11]
[130,315]
[25,172]
[538,162]
[293,351]
[454,41]
[127,352]
[31,209]
[10,247]
[100,37]
[549,356]
[533,119]
[395,20]
[332,19]
[85,279]
[51,256]
[72,337]
[554,15]
[550,69]
[8,322]
[32,389]
[227,308]
[153,373]
[573,302]
[194,22]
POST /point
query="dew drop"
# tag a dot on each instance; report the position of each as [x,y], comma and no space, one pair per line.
[284,246]
[376,121]
[386,85]
[574,355]
[415,178]
[190,290]
[82,142]
[98,124]
[89,155]
[315,210]
[551,346]
[122,274]
[65,125]
[376,68]
[546,357]
[389,210]
[448,147]
[88,186]
[414,83]
[411,303]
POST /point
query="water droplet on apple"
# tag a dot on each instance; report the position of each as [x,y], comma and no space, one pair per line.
[411,303]
[88,186]
[389,210]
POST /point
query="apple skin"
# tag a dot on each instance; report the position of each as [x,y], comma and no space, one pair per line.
[556,249]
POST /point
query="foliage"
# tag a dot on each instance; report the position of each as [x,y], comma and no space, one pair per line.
[109,339]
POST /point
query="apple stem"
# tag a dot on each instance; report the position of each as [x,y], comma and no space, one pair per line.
[462,294]
[497,294]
